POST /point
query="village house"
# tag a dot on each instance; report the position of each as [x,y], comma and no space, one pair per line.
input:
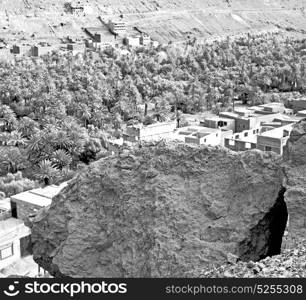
[200,135]
[39,50]
[145,39]
[76,7]
[275,139]
[132,41]
[245,140]
[21,50]
[117,27]
[76,48]
[100,36]
[246,119]
[298,105]
[219,122]
[15,236]
[156,131]
[299,116]
[270,108]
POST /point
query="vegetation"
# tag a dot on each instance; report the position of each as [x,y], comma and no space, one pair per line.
[57,111]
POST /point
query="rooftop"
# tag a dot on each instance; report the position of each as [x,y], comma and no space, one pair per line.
[5,204]
[217,118]
[273,104]
[41,196]
[8,226]
[301,113]
[277,132]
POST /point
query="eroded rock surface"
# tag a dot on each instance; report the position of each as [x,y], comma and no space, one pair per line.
[163,210]
[295,168]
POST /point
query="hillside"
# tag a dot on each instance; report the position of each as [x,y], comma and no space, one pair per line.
[163,20]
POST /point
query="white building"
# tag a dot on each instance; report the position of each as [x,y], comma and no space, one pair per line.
[15,236]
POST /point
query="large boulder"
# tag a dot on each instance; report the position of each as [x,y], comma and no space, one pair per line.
[295,170]
[163,210]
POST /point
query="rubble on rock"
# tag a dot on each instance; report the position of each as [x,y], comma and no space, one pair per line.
[291,263]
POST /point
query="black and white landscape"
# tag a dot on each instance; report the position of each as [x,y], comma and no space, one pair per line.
[152,138]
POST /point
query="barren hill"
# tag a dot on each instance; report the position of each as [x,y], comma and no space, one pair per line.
[164,20]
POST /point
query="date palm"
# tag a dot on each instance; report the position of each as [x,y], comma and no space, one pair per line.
[46,172]
[61,159]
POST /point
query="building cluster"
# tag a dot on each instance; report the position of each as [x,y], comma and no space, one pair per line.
[15,236]
[79,7]
[32,50]
[265,127]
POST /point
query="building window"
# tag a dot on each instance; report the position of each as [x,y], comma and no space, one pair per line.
[222,123]
[204,140]
[237,137]
[254,131]
[268,148]
[6,251]
[246,134]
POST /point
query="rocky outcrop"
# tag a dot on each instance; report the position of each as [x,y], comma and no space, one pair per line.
[163,210]
[295,169]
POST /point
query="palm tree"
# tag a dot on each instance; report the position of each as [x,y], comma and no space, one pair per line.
[61,159]
[46,172]
[16,139]
[12,160]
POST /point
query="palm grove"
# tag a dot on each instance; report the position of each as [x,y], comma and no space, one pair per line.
[57,112]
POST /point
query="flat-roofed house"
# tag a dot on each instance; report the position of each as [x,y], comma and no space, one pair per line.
[132,41]
[154,131]
[15,236]
[247,119]
[14,241]
[299,104]
[243,141]
[271,108]
[27,203]
[275,139]
[219,122]
[301,115]
[200,135]
[117,27]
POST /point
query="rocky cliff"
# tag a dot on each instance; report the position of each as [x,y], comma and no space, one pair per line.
[163,210]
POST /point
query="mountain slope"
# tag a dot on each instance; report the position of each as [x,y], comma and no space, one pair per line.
[163,20]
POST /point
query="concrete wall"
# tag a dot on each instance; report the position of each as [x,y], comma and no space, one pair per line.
[243,124]
[237,145]
[215,123]
[299,105]
[266,141]
[13,237]
[25,209]
[149,131]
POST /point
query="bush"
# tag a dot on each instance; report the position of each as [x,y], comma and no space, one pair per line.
[14,184]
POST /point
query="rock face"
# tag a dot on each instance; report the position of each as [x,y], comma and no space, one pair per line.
[161,211]
[295,196]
